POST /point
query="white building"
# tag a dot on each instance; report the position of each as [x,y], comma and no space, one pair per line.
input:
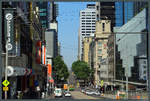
[87,24]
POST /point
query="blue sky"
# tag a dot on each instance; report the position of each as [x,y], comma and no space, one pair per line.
[68,26]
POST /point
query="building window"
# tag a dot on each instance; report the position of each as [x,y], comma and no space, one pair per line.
[144,62]
[99,58]
[99,44]
[103,27]
[42,14]
[144,67]
[99,51]
[144,72]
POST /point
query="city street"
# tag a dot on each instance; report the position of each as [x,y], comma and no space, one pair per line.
[79,95]
[75,95]
[50,50]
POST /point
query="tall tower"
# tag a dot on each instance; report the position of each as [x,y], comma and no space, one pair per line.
[87,25]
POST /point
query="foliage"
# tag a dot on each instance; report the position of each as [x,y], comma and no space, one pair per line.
[60,69]
[81,70]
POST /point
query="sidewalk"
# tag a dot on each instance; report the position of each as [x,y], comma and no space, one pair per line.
[50,96]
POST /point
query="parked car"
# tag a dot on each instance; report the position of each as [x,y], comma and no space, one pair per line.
[83,90]
[97,93]
[67,94]
[89,92]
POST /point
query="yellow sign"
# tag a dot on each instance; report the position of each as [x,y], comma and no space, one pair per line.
[102,82]
[5,88]
[5,83]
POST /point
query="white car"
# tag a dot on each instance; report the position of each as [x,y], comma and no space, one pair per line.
[58,92]
[97,93]
[89,92]
[67,94]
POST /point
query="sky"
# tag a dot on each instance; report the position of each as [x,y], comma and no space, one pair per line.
[68,27]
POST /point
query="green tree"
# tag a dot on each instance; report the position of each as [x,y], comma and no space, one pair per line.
[81,70]
[60,70]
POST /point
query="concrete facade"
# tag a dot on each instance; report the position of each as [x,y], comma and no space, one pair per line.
[100,55]
[51,44]
[86,44]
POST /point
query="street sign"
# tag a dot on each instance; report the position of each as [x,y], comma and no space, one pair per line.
[5,88]
[5,83]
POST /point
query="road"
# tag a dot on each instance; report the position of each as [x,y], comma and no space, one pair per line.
[79,95]
[76,95]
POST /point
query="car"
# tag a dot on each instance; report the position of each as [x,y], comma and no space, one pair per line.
[89,92]
[67,94]
[97,93]
[83,90]
[58,92]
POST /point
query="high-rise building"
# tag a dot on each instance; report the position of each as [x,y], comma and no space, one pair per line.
[124,12]
[132,47]
[87,24]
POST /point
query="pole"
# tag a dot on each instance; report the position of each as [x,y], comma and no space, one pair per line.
[127,82]
[6,65]
[1,50]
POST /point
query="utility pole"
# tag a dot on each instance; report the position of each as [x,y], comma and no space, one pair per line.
[6,64]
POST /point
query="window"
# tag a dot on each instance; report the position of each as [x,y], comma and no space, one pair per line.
[99,51]
[99,44]
[144,67]
[88,20]
[144,62]
[103,27]
[42,14]
[99,58]
[144,72]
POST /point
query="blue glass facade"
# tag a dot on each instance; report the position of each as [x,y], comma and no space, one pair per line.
[124,12]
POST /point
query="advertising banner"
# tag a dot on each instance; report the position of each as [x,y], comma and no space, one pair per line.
[9,30]
[38,52]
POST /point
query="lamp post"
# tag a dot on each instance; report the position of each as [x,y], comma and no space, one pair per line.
[6,65]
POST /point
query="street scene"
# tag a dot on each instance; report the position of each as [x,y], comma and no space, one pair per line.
[74,50]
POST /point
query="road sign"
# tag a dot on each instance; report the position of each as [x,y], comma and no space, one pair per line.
[5,83]
[5,88]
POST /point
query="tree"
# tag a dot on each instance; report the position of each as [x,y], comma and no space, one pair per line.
[81,70]
[60,70]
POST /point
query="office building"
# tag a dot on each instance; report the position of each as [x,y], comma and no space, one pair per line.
[133,47]
[124,11]
[87,25]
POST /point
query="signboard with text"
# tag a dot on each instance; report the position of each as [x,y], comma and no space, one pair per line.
[9,30]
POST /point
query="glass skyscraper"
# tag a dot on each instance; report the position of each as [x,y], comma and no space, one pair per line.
[124,12]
